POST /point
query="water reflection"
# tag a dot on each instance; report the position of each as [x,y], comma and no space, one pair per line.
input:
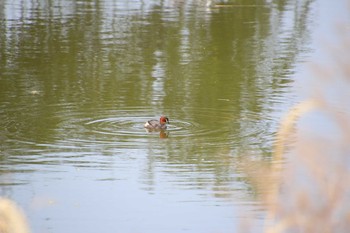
[79,79]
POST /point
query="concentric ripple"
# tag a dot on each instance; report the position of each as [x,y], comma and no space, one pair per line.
[124,125]
[125,128]
[87,129]
[132,127]
[75,134]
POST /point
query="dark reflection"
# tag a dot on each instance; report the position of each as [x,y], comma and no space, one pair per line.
[162,133]
[220,69]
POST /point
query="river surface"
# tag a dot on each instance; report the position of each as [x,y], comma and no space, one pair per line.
[78,79]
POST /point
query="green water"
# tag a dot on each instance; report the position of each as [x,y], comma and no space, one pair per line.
[79,78]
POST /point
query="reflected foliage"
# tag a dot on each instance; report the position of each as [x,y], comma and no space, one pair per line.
[225,66]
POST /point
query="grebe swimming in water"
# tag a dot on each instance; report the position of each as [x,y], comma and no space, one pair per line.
[157,125]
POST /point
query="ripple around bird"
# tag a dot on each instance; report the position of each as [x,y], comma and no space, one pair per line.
[128,124]
[133,126]
[76,129]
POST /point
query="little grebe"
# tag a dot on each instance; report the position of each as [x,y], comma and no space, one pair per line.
[157,125]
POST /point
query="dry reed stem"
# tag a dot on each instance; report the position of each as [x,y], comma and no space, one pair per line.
[309,183]
[311,192]
[323,165]
[285,130]
[286,125]
[12,220]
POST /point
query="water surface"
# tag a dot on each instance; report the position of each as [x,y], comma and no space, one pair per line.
[79,79]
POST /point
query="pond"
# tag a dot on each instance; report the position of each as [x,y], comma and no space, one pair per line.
[78,79]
